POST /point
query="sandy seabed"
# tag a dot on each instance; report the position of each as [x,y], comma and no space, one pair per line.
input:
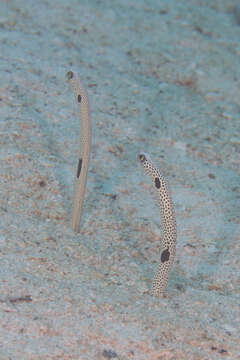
[162,77]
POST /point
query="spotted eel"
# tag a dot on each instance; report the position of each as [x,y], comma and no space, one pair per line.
[85,147]
[168,224]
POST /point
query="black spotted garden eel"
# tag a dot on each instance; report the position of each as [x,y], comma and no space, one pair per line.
[168,224]
[84,151]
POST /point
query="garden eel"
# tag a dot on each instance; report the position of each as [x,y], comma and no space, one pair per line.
[168,224]
[85,145]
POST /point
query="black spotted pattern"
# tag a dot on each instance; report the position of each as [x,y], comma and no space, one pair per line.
[168,224]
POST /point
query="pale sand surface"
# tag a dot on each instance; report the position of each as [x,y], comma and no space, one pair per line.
[163,77]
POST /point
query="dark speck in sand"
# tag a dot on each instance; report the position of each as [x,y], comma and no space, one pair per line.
[42,183]
[109,354]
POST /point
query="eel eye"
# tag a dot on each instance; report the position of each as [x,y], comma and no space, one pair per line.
[142,157]
[69,75]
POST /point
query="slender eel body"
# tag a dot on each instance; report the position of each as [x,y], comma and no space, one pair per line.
[84,151]
[168,224]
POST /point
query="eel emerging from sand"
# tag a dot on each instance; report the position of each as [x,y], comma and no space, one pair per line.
[168,222]
[85,147]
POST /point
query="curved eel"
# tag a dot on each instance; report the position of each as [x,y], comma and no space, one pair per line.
[168,224]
